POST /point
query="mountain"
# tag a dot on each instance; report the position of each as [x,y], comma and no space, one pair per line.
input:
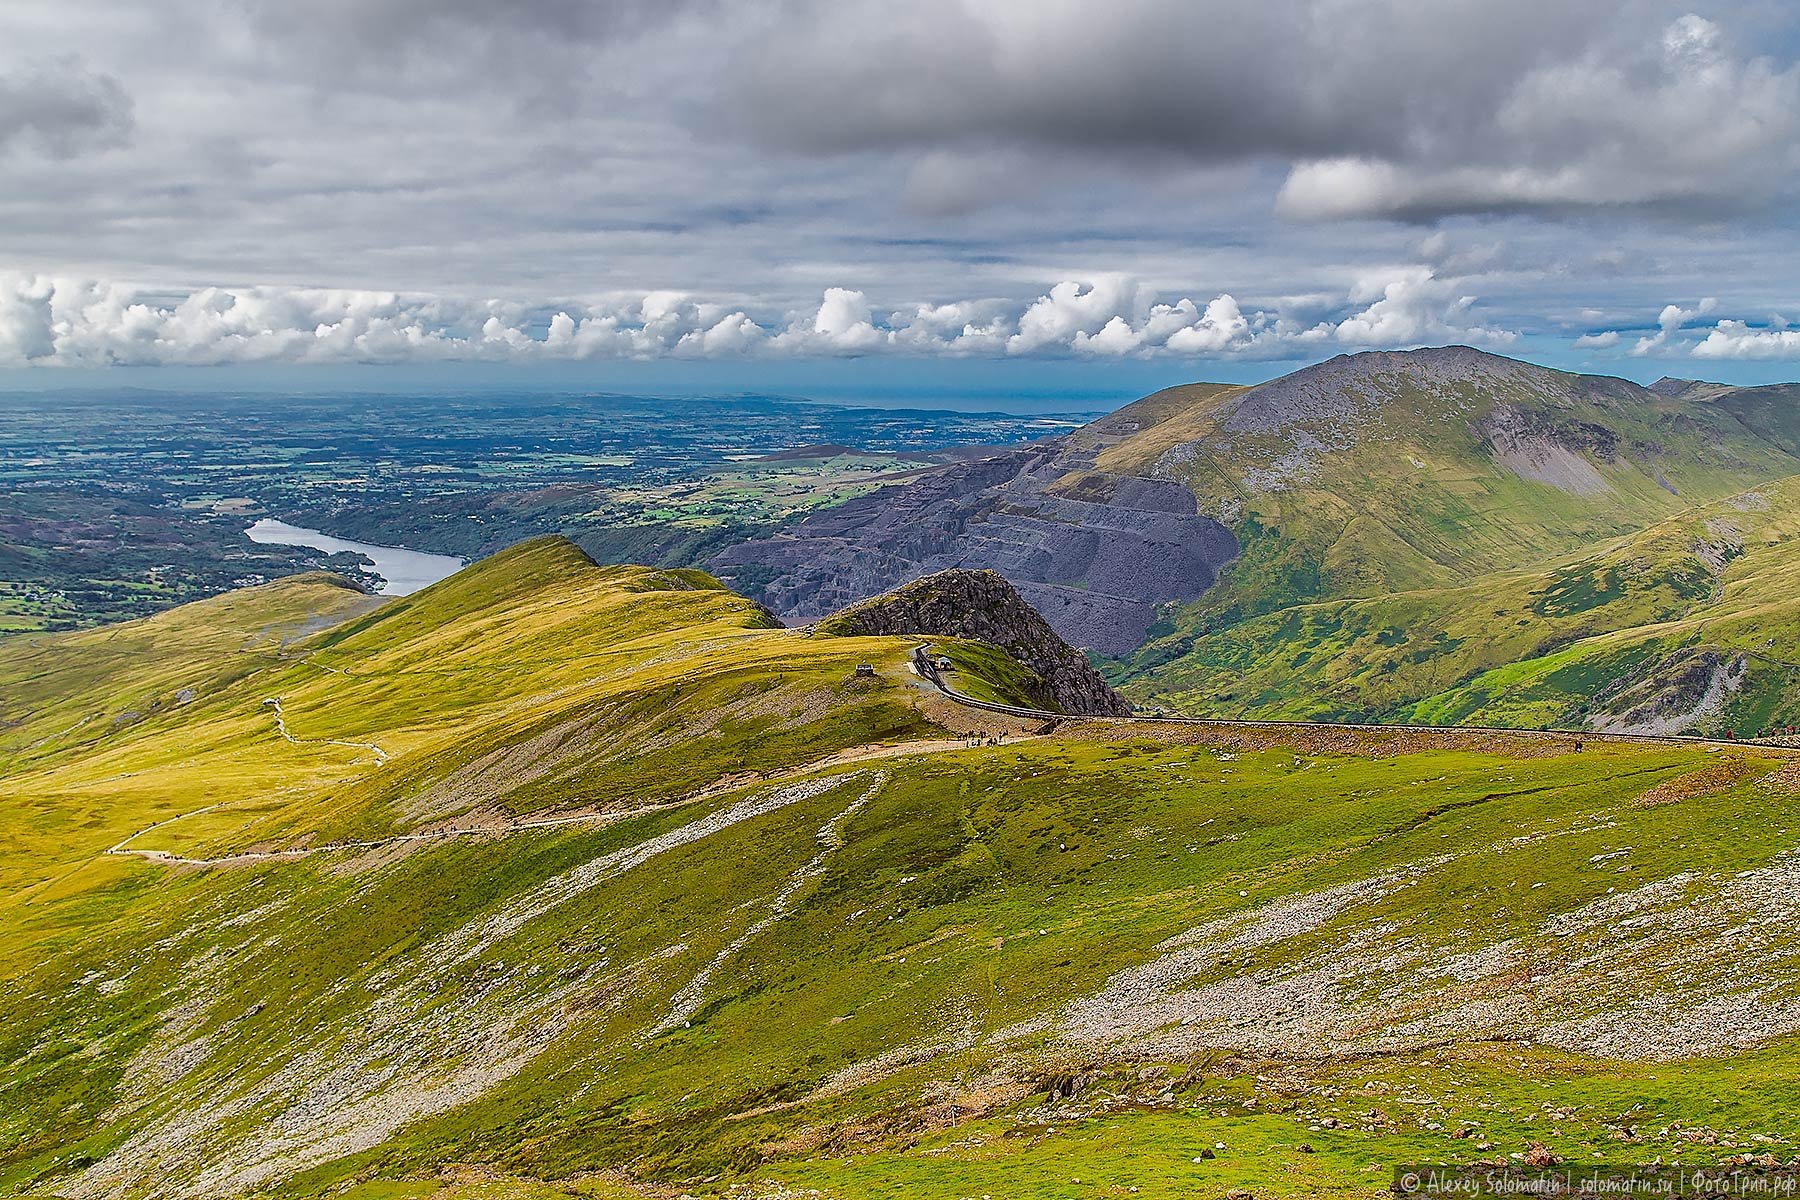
[1690,625]
[1364,475]
[1771,410]
[1689,603]
[558,880]
[1382,471]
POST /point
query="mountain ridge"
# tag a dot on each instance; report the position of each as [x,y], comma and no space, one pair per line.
[1603,638]
[1367,473]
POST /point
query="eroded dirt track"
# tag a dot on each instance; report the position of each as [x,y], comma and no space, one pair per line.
[1313,736]
[1566,739]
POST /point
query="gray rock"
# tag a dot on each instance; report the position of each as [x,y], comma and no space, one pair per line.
[1096,561]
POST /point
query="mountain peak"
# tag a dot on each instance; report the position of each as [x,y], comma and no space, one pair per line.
[1344,393]
[1454,354]
[1693,390]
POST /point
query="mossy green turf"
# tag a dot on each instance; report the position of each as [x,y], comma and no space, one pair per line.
[1106,849]
[1417,499]
[985,672]
[1401,557]
[621,685]
[867,1029]
[1544,647]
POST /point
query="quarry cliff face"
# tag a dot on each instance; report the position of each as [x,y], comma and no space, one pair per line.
[1095,561]
[984,607]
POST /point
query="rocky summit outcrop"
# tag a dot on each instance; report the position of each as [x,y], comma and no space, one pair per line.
[1095,553]
[984,607]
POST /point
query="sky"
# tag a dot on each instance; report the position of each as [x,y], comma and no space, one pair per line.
[864,198]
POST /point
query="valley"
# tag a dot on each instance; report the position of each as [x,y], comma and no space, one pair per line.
[1457,831]
[803,600]
[119,503]
[1438,536]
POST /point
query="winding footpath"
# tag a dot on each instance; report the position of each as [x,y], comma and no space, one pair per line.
[927,670]
[922,666]
[281,727]
[252,856]
[841,758]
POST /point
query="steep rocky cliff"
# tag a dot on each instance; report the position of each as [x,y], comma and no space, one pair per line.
[1096,553]
[983,606]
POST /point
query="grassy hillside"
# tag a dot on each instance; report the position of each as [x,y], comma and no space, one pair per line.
[1771,411]
[533,678]
[1693,624]
[1384,472]
[661,901]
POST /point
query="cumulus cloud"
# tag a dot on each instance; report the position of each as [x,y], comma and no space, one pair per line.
[843,323]
[48,321]
[961,328]
[1668,325]
[732,334]
[658,325]
[1727,339]
[74,322]
[64,322]
[1414,307]
[1073,310]
[1181,328]
[1221,327]
[62,108]
[1737,339]
[27,333]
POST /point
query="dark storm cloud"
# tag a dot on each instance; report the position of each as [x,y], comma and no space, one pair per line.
[1208,79]
[1407,108]
[61,108]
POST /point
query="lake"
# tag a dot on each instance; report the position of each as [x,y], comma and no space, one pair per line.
[402,571]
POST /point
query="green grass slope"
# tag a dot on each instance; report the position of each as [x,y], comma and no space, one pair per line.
[533,678]
[1692,625]
[1382,472]
[737,922]
[1771,411]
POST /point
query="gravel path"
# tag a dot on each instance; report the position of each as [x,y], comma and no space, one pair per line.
[281,727]
[839,758]
[830,837]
